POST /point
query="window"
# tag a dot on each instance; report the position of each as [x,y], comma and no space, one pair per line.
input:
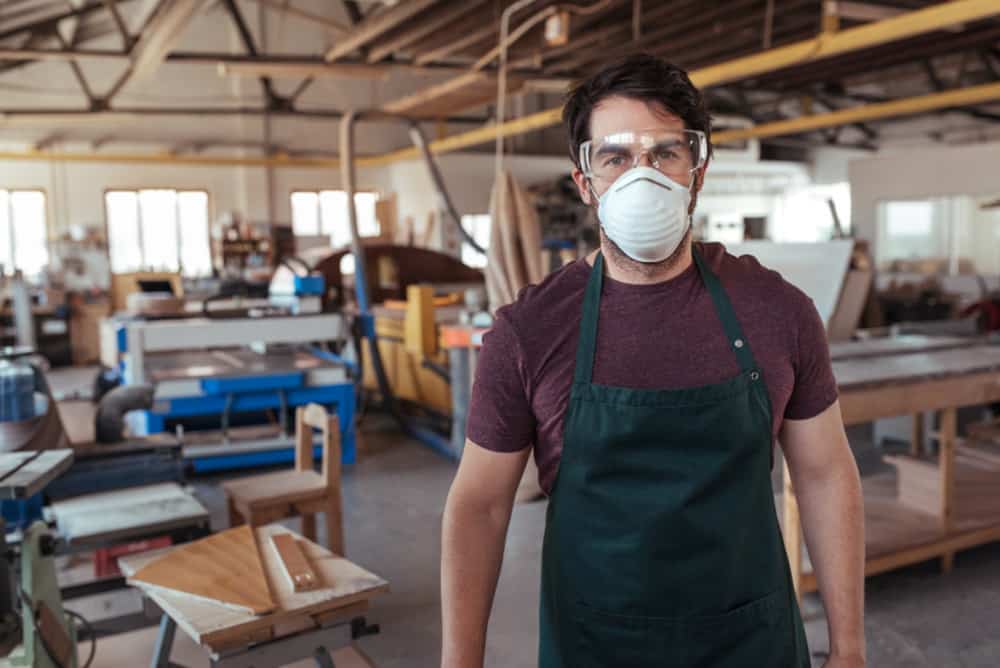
[914,230]
[325,212]
[23,232]
[478,227]
[158,230]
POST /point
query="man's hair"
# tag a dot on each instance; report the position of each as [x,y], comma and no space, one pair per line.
[641,77]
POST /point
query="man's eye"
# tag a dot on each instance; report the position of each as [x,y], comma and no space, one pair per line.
[614,161]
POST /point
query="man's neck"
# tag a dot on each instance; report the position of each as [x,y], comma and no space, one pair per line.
[624,269]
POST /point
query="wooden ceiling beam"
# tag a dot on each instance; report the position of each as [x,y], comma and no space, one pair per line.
[376,25]
[441,19]
[160,35]
[454,46]
[284,7]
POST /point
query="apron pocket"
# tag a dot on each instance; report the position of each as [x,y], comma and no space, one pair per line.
[753,634]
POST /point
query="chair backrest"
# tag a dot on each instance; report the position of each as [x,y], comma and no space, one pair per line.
[308,418]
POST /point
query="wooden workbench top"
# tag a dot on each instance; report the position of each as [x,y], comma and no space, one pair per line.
[858,373]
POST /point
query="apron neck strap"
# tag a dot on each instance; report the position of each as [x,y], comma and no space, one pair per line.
[724,308]
[588,323]
[585,349]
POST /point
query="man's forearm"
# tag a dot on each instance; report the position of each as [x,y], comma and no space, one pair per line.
[832,512]
[472,551]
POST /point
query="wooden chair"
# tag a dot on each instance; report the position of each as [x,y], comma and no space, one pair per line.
[263,499]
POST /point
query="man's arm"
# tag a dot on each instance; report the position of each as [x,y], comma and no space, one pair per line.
[826,482]
[476,516]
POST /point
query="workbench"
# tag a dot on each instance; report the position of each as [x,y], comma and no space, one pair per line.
[25,473]
[306,624]
[920,520]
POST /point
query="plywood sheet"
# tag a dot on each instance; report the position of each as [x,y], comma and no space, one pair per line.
[223,569]
[342,584]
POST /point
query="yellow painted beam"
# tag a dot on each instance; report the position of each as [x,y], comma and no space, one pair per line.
[825,45]
[868,112]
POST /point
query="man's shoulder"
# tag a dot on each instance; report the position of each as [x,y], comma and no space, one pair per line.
[747,276]
[544,302]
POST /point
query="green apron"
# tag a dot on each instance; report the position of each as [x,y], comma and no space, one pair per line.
[662,546]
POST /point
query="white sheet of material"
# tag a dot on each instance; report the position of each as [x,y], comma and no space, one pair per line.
[818,269]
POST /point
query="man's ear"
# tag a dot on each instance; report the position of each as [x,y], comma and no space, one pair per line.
[699,178]
[583,186]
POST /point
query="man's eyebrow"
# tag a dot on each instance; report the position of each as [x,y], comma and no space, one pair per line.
[612,148]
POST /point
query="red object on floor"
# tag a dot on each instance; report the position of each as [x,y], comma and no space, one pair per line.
[106,558]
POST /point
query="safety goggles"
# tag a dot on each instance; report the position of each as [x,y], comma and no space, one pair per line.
[676,153]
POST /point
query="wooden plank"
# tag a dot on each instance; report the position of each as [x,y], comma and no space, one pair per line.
[402,39]
[917,434]
[864,404]
[419,333]
[224,569]
[453,46]
[466,91]
[294,564]
[27,472]
[792,531]
[946,459]
[853,296]
[343,584]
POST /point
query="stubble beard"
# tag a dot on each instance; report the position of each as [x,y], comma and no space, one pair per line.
[628,265]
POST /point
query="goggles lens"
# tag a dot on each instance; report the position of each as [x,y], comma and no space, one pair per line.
[676,153]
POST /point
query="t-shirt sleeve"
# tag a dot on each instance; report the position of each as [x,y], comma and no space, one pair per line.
[500,415]
[815,387]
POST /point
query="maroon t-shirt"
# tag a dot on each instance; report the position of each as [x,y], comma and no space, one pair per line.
[661,336]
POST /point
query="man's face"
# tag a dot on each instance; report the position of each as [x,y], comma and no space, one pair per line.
[623,114]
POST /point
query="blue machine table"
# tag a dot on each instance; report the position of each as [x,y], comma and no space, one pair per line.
[220,367]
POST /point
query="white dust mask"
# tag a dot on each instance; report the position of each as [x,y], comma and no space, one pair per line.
[645,213]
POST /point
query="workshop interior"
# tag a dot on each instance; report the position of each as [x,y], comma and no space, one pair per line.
[249,251]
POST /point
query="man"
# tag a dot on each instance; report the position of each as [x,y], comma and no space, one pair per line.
[652,379]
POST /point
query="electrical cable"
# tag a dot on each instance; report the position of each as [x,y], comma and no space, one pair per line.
[88,627]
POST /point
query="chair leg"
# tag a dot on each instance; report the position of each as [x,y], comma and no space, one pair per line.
[334,527]
[309,526]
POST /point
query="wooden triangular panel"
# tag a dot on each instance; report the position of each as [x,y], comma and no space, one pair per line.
[224,568]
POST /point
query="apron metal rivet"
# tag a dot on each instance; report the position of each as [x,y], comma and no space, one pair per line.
[754,375]
[738,343]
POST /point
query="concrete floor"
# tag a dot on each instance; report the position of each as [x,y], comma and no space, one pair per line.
[393,500]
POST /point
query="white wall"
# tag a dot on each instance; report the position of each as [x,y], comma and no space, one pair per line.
[920,173]
[829,165]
